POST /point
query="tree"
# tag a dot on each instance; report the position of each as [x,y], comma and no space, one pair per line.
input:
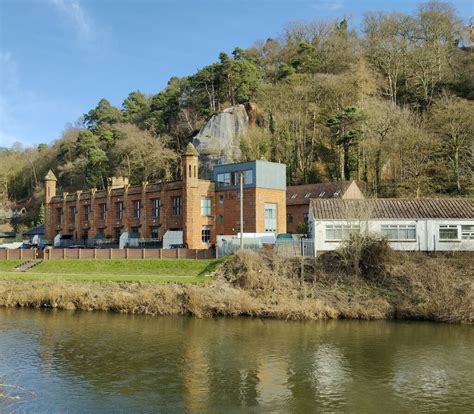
[344,128]
[103,113]
[135,108]
[453,119]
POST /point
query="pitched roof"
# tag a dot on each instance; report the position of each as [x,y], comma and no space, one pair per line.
[301,194]
[38,230]
[337,209]
[50,176]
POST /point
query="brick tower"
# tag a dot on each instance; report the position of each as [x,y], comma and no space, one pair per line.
[191,199]
[50,181]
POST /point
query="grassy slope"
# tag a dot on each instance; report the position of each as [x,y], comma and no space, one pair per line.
[6,265]
[166,270]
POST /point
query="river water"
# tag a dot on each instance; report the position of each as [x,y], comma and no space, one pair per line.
[69,362]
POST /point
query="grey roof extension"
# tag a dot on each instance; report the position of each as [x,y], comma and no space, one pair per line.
[339,209]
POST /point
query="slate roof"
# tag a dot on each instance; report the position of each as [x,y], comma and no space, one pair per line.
[38,230]
[298,194]
[338,209]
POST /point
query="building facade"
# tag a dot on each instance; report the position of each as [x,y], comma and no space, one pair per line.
[408,225]
[201,209]
[298,198]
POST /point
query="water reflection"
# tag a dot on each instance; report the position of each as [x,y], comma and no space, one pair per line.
[89,362]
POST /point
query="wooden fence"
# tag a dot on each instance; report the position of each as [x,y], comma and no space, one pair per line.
[53,254]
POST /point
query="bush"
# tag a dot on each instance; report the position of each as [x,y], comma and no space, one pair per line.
[365,255]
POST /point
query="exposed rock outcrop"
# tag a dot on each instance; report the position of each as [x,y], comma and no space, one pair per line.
[219,140]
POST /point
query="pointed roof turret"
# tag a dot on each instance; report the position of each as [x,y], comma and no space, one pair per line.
[50,176]
[191,150]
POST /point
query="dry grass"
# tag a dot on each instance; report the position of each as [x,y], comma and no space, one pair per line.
[413,286]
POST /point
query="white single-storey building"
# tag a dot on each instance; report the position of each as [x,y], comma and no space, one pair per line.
[410,225]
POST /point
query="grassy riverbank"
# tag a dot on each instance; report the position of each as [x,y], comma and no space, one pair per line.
[406,286]
[166,270]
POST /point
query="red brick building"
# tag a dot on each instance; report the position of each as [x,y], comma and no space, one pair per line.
[298,199]
[201,209]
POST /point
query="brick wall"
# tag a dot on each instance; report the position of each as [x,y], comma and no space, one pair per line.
[298,213]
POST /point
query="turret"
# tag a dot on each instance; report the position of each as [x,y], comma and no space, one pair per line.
[50,181]
[190,166]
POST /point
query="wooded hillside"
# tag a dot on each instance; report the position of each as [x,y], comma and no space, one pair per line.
[389,103]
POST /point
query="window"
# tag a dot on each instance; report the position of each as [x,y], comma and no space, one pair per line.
[307,195]
[206,234]
[270,217]
[289,218]
[403,232]
[119,210]
[102,211]
[205,206]
[118,233]
[221,199]
[135,233]
[321,194]
[59,213]
[293,196]
[136,209]
[221,218]
[305,217]
[233,178]
[176,206]
[335,232]
[155,207]
[448,232]
[72,214]
[467,232]
[87,213]
[155,232]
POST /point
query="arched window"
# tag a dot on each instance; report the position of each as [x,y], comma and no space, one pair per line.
[195,171]
[190,171]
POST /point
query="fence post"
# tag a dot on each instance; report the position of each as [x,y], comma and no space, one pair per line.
[110,253]
[21,254]
[79,253]
[160,251]
[7,251]
[126,253]
[177,252]
[94,253]
[143,253]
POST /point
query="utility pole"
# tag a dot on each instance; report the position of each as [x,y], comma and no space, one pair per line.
[241,210]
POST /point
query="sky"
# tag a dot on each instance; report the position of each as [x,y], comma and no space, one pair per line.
[58,58]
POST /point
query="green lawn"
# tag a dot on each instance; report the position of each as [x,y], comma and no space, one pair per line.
[6,265]
[165,270]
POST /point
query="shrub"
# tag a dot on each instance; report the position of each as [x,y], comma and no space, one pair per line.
[365,255]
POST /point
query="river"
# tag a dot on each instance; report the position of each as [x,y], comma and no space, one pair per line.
[71,362]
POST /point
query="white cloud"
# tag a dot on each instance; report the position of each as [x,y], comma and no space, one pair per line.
[328,5]
[75,13]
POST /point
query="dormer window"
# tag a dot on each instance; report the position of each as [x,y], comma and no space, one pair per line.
[293,196]
[307,195]
[322,194]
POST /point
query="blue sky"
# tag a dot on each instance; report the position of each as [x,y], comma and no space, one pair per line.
[58,58]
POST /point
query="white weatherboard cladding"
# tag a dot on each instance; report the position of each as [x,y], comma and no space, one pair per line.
[427,234]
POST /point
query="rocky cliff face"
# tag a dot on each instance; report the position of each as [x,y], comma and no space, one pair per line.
[219,140]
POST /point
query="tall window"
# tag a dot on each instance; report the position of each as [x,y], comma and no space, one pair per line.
[103,211]
[87,213]
[336,232]
[118,233]
[270,217]
[289,218]
[448,232]
[119,210]
[176,206]
[233,178]
[206,234]
[72,214]
[402,232]
[59,213]
[205,206]
[467,232]
[136,209]
[155,232]
[155,207]
[221,219]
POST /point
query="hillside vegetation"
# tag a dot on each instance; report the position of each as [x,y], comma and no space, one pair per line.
[388,103]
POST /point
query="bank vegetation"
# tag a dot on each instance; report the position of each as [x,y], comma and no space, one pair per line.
[354,283]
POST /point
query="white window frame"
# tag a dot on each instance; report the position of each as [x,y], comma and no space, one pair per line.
[399,229]
[467,231]
[270,223]
[206,206]
[448,227]
[346,230]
